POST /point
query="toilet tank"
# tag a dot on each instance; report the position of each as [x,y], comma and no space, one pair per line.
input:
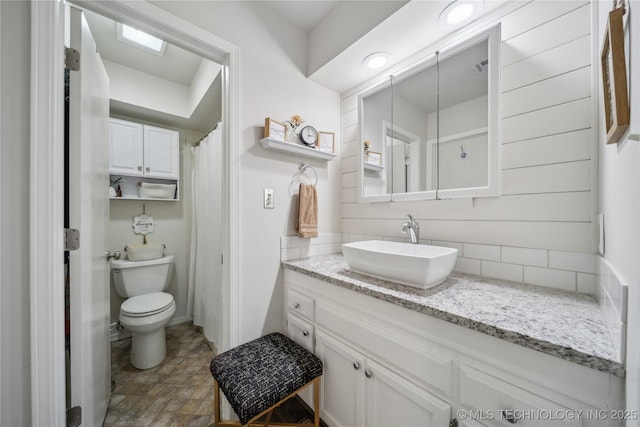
[133,278]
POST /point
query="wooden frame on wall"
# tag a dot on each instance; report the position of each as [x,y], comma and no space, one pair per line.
[274,129]
[374,158]
[614,78]
[326,141]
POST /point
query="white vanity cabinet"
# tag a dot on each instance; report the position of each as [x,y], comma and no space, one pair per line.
[389,366]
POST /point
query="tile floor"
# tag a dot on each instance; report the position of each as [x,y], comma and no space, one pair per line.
[176,393]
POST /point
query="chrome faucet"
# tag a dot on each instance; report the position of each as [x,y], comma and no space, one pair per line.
[414,229]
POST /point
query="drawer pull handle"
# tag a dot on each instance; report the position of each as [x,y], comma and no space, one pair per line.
[296,306]
[368,373]
[305,333]
[356,366]
[509,416]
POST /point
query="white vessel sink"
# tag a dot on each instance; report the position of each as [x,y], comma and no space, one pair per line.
[420,266]
[144,252]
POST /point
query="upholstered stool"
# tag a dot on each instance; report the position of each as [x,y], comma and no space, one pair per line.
[258,376]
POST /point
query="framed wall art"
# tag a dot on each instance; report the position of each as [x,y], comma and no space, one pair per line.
[274,129]
[326,141]
[614,78]
[374,158]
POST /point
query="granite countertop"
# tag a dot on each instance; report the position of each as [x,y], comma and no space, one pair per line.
[563,324]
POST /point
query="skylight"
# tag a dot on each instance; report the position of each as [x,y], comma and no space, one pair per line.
[141,39]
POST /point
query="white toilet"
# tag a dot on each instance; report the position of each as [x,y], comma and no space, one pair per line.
[147,309]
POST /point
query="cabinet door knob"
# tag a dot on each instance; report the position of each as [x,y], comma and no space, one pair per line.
[139,168]
[148,168]
[356,366]
[296,306]
[368,373]
[509,416]
[305,333]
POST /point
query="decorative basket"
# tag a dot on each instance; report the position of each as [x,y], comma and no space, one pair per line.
[144,252]
[150,190]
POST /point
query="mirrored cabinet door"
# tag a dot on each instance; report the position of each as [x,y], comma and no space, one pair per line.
[431,131]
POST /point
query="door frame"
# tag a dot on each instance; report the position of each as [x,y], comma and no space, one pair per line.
[46,268]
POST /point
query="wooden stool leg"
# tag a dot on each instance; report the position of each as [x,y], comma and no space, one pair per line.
[216,404]
[316,402]
[267,419]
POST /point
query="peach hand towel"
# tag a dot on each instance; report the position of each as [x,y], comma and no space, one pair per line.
[307,211]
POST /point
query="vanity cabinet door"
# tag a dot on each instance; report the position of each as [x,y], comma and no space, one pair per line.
[391,400]
[161,153]
[125,148]
[342,386]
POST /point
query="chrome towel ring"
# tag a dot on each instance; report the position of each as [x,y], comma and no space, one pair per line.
[304,167]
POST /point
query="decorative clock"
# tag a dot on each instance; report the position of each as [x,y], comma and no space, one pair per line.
[308,136]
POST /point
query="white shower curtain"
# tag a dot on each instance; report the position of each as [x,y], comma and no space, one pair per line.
[205,269]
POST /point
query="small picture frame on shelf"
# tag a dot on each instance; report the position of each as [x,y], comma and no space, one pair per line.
[274,129]
[326,141]
[374,158]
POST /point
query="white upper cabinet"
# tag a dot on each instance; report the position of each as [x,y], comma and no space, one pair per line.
[161,153]
[141,150]
[125,148]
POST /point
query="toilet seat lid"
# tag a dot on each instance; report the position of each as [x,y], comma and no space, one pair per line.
[146,305]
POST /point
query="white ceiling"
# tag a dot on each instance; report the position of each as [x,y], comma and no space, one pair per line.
[407,30]
[305,14]
[177,65]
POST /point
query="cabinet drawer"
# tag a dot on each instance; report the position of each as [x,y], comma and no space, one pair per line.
[489,397]
[300,331]
[300,304]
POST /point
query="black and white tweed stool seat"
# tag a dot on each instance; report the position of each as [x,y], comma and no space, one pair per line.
[259,374]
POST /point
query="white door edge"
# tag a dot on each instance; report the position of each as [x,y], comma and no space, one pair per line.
[46,173]
[46,269]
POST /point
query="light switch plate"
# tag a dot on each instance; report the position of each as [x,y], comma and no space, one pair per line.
[268,198]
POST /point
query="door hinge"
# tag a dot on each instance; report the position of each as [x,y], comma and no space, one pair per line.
[71,239]
[71,59]
[74,416]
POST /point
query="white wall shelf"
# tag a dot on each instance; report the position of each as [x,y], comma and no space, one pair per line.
[130,188]
[296,149]
[372,167]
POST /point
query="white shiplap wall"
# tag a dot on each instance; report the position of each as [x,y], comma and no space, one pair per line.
[546,209]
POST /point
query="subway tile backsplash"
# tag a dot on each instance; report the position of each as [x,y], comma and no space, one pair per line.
[569,271]
[293,247]
[612,296]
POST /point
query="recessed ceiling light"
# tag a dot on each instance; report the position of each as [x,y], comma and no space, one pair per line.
[460,12]
[141,39]
[376,60]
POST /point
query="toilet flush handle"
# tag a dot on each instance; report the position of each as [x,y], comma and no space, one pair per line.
[114,255]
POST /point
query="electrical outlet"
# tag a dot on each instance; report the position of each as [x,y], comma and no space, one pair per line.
[268,198]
